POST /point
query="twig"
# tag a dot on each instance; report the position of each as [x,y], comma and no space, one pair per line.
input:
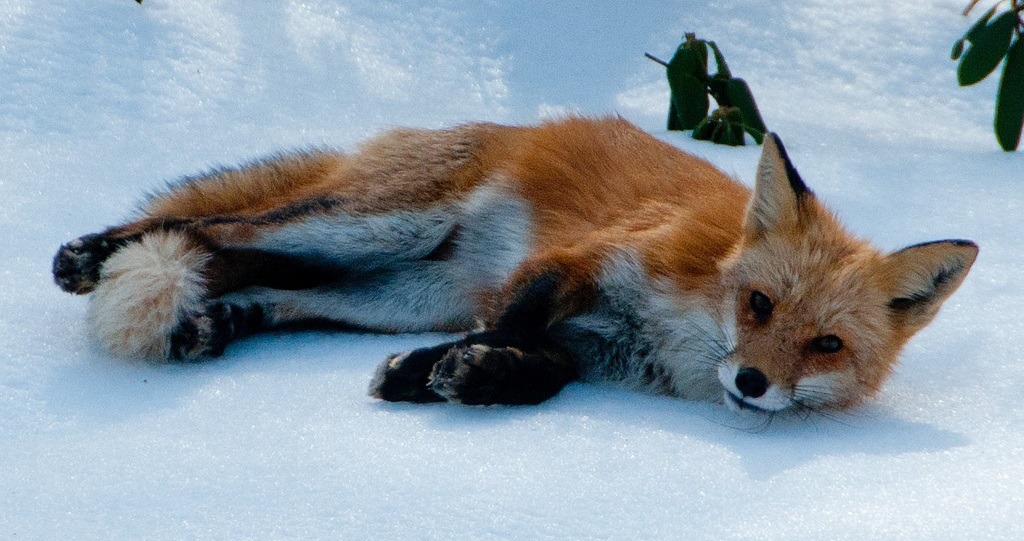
[970,6]
[656,59]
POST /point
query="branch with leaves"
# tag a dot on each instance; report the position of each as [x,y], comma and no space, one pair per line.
[690,83]
[991,39]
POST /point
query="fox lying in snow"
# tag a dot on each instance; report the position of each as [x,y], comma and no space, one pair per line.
[586,248]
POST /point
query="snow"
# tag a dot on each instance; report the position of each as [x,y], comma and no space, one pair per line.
[101,101]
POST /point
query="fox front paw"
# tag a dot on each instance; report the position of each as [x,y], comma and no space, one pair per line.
[403,377]
[477,375]
[76,267]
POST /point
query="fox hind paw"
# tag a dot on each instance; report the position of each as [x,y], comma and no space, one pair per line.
[207,333]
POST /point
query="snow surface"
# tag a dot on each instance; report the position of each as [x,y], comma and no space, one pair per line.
[101,101]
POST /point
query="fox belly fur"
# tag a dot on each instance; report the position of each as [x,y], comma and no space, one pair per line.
[578,249]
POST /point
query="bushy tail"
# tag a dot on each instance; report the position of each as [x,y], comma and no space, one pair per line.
[146,288]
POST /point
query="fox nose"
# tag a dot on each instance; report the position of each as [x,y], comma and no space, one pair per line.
[751,382]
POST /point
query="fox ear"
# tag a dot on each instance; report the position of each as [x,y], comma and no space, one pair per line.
[778,191]
[922,276]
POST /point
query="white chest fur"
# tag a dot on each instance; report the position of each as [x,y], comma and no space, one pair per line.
[649,337]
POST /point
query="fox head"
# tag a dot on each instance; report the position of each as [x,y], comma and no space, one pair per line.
[820,316]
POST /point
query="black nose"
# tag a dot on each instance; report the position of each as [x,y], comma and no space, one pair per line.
[751,382]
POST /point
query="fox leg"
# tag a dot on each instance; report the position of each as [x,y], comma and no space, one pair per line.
[213,295]
[514,362]
[412,296]
[332,238]
[230,194]
[399,177]
[373,272]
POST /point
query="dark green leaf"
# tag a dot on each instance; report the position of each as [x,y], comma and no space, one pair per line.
[728,133]
[697,59]
[704,130]
[690,98]
[700,48]
[729,126]
[717,88]
[958,49]
[975,30]
[689,94]
[988,47]
[731,114]
[1010,99]
[674,124]
[758,135]
[723,68]
[716,133]
[741,98]
[735,135]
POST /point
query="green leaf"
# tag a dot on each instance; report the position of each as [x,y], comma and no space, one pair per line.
[734,135]
[988,47]
[704,130]
[979,27]
[717,88]
[741,98]
[756,134]
[716,134]
[1010,99]
[958,49]
[674,124]
[976,29]
[700,49]
[730,114]
[689,93]
[723,68]
[728,133]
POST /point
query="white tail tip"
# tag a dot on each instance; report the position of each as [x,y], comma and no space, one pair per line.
[145,289]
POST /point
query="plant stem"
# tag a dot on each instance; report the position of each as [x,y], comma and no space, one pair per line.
[656,59]
[1013,6]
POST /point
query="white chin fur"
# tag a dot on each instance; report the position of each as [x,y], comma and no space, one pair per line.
[144,290]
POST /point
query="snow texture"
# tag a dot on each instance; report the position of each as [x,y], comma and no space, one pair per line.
[102,101]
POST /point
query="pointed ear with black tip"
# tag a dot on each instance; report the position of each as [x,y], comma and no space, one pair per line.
[922,276]
[779,192]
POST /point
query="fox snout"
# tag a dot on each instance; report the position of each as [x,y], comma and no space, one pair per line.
[748,388]
[751,382]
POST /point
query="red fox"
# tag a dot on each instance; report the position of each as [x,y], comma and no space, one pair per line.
[579,249]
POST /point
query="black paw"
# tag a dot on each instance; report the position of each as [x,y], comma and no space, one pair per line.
[76,267]
[404,377]
[207,332]
[478,375]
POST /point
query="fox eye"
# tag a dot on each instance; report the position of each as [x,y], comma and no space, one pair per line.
[761,305]
[829,343]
